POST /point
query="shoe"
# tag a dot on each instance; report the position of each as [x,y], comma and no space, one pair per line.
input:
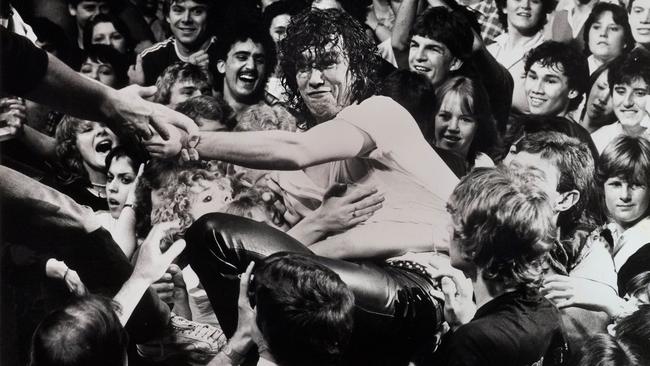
[185,338]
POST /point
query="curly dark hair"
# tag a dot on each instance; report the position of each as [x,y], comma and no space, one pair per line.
[626,68]
[449,27]
[574,65]
[319,30]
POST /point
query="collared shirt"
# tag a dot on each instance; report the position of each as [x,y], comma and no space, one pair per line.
[576,21]
[488,18]
[513,60]
[627,242]
[593,63]
[606,134]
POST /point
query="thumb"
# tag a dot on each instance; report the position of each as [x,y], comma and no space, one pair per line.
[147,91]
[448,289]
[174,250]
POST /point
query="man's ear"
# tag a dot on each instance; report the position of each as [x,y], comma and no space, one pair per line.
[72,10]
[221,66]
[566,200]
[455,64]
[573,94]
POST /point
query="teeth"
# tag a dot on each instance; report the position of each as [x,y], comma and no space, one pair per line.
[104,146]
[247,77]
[420,68]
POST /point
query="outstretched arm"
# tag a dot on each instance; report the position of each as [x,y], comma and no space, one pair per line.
[280,150]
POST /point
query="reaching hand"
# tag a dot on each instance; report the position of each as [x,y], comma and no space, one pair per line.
[12,117]
[152,262]
[344,207]
[200,58]
[74,283]
[457,289]
[565,291]
[136,73]
[165,148]
[133,113]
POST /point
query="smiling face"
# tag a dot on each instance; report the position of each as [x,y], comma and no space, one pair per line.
[209,196]
[431,58]
[188,21]
[119,181]
[627,203]
[454,130]
[524,15]
[102,72]
[547,90]
[629,102]
[94,142]
[606,38]
[640,21]
[244,70]
[324,84]
[105,33]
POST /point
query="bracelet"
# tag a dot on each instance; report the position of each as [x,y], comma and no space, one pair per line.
[233,355]
[128,205]
[67,269]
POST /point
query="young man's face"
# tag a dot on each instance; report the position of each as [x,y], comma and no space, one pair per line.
[243,69]
[324,84]
[626,202]
[85,10]
[524,15]
[185,89]
[547,90]
[629,102]
[431,58]
[640,21]
[548,181]
[188,21]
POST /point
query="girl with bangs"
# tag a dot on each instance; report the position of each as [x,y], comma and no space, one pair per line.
[624,172]
[463,121]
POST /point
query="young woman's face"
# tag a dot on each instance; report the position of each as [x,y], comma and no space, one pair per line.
[627,203]
[106,34]
[629,102]
[102,72]
[599,101]
[453,129]
[119,181]
[524,15]
[209,196]
[94,142]
[606,38]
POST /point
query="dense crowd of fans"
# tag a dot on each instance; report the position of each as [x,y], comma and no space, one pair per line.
[343,182]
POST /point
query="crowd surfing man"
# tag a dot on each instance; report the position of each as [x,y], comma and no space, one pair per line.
[352,137]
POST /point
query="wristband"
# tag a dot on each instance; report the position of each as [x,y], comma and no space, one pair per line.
[233,355]
[128,205]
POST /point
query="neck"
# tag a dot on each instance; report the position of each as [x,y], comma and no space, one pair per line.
[237,104]
[80,37]
[583,8]
[633,130]
[517,38]
[95,176]
[187,50]
[486,291]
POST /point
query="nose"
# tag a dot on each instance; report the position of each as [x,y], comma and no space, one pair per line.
[647,17]
[453,124]
[420,55]
[105,41]
[315,78]
[186,17]
[604,32]
[628,102]
[525,4]
[112,186]
[626,193]
[537,86]
[250,63]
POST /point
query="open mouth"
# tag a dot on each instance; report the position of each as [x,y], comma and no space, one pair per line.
[451,138]
[536,102]
[113,202]
[104,146]
[524,14]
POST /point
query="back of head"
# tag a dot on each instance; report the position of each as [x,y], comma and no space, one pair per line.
[315,33]
[504,220]
[304,310]
[208,107]
[177,72]
[576,166]
[86,332]
[448,27]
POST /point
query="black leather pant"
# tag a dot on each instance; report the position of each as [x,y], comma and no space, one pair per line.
[395,315]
